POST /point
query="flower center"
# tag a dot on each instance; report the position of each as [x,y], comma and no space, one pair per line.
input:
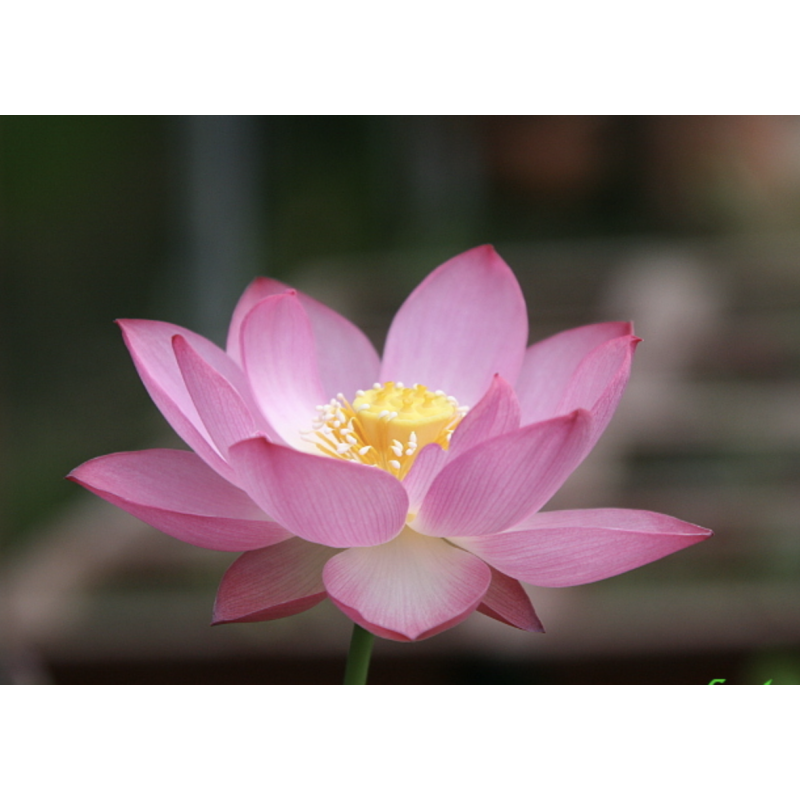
[385,426]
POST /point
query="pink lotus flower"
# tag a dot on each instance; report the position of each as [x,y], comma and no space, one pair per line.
[407,489]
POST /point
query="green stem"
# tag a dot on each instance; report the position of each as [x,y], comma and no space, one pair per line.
[358,657]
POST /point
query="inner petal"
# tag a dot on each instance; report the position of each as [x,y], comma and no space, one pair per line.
[385,426]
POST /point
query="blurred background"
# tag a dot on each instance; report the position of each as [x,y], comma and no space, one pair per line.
[690,226]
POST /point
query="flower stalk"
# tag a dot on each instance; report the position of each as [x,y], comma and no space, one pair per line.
[358,658]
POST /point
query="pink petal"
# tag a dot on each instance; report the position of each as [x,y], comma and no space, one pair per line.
[346,358]
[550,365]
[281,363]
[224,413]
[409,589]
[506,601]
[568,548]
[150,345]
[323,500]
[272,583]
[174,491]
[426,467]
[495,484]
[463,324]
[599,381]
[497,413]
[252,295]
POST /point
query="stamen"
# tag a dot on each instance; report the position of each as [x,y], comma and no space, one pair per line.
[385,426]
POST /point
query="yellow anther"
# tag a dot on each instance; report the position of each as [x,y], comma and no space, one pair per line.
[387,425]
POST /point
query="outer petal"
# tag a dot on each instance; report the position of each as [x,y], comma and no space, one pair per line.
[323,500]
[271,583]
[224,413]
[568,548]
[494,485]
[599,382]
[426,467]
[409,589]
[497,413]
[464,323]
[150,345]
[251,297]
[506,601]
[281,364]
[347,360]
[174,491]
[550,365]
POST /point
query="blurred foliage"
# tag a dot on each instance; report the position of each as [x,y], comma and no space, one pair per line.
[83,228]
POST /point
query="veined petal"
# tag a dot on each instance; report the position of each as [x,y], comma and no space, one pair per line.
[150,346]
[497,413]
[407,589]
[346,358]
[495,484]
[506,601]
[463,324]
[323,500]
[223,411]
[251,297]
[272,583]
[174,491]
[425,468]
[599,381]
[550,365]
[280,361]
[569,548]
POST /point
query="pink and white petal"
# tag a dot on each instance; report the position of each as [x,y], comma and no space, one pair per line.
[569,548]
[252,295]
[463,324]
[271,583]
[495,484]
[150,346]
[280,361]
[347,360]
[497,413]
[323,500]
[599,381]
[506,601]
[550,364]
[176,492]
[408,589]
[223,411]
[426,467]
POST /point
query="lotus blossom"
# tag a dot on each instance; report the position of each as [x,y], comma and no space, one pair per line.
[407,489]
